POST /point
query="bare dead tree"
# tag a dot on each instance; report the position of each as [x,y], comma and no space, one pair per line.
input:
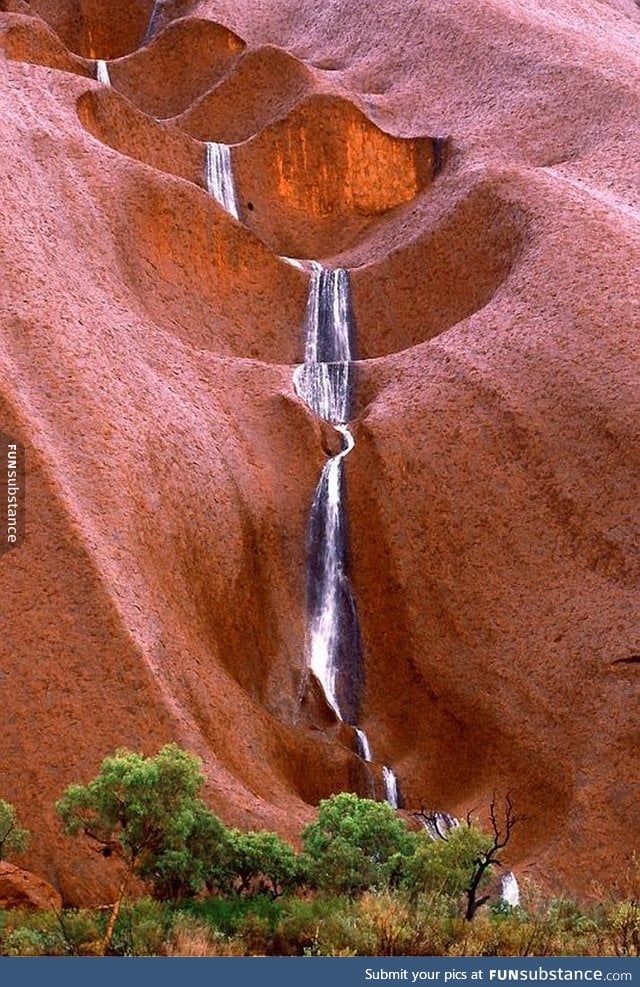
[501,831]
[502,825]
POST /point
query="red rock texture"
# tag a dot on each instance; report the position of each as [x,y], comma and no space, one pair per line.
[146,348]
[21,889]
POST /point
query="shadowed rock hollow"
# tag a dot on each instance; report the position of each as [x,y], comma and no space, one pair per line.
[310,184]
[93,29]
[147,344]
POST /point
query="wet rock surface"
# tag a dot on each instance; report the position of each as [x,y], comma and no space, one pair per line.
[147,346]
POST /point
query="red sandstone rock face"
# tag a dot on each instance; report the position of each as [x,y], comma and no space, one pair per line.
[20,889]
[147,344]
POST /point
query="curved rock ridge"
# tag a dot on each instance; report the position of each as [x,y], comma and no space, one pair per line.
[25,39]
[94,30]
[418,290]
[264,85]
[146,347]
[178,66]
[114,121]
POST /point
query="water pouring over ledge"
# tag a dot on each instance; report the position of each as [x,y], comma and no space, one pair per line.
[324,382]
[364,748]
[509,889]
[391,787]
[151,26]
[219,178]
[102,72]
[334,631]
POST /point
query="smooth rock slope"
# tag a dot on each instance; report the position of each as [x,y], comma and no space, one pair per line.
[147,345]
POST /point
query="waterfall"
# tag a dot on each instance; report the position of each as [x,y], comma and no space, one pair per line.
[151,26]
[219,176]
[438,144]
[325,380]
[324,383]
[328,317]
[326,388]
[334,631]
[509,889]
[102,72]
[438,824]
[390,787]
[364,748]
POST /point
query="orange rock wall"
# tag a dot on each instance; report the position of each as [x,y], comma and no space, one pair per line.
[147,343]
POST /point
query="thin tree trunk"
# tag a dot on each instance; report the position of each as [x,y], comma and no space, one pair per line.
[113,918]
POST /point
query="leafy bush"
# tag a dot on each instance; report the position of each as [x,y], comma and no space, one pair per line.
[263,862]
[355,845]
[446,867]
[13,838]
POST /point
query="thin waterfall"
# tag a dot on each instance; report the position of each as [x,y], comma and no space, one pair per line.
[334,631]
[326,388]
[364,747]
[438,824]
[329,333]
[102,72]
[391,787]
[324,382]
[219,176]
[509,889]
[151,26]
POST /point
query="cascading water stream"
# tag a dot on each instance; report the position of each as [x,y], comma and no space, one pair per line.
[102,72]
[509,889]
[390,787]
[325,382]
[219,176]
[151,27]
[334,635]
[438,825]
[364,748]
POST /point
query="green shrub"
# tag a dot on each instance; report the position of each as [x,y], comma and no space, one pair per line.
[446,867]
[142,929]
[226,915]
[263,863]
[355,845]
[13,838]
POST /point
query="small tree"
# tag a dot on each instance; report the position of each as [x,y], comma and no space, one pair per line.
[355,844]
[446,866]
[13,838]
[145,810]
[263,862]
[461,860]
[182,869]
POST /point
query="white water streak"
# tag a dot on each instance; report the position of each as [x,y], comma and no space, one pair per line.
[390,786]
[438,824]
[328,308]
[364,747]
[151,27]
[219,176]
[325,627]
[509,889]
[102,72]
[325,388]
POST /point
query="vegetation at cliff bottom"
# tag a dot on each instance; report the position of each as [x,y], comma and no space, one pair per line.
[363,883]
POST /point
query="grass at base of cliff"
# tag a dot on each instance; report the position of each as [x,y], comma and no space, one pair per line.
[387,923]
